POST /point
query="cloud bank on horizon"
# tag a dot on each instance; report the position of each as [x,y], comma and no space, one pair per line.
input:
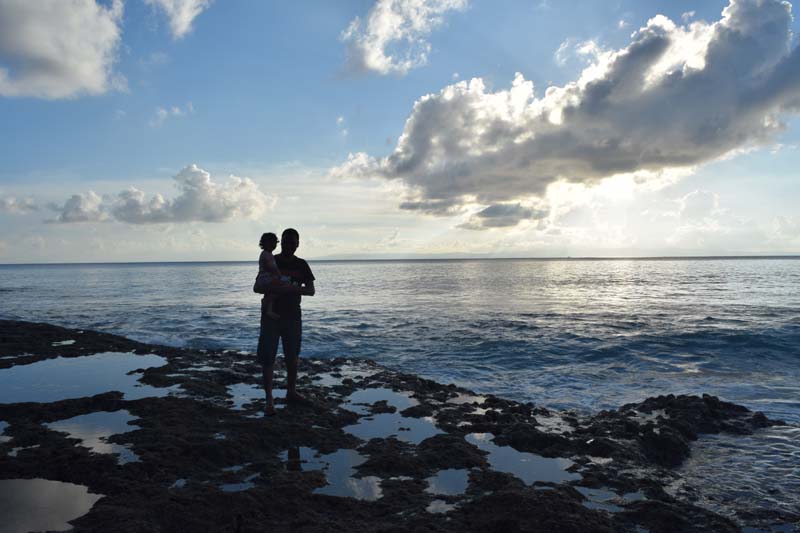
[675,97]
[401,25]
[200,200]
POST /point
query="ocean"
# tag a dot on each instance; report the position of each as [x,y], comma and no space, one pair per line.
[570,334]
[584,335]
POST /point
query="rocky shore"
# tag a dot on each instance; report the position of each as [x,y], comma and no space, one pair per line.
[373,450]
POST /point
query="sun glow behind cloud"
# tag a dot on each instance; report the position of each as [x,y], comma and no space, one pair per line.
[673,98]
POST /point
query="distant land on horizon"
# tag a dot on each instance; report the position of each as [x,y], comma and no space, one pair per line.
[448,257]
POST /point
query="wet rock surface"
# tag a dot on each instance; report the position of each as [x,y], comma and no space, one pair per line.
[209,460]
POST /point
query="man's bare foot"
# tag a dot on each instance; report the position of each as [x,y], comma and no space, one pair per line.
[293,397]
[269,410]
[273,315]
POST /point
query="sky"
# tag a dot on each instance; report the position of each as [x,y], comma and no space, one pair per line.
[180,130]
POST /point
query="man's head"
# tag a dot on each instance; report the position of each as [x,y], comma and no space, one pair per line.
[290,240]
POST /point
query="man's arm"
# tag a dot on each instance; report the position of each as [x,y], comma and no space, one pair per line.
[308,289]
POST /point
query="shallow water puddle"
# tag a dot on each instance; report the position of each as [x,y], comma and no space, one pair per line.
[385,425]
[203,368]
[360,401]
[450,482]
[529,467]
[15,451]
[63,378]
[652,416]
[463,398]
[606,499]
[245,393]
[3,436]
[41,504]
[69,342]
[246,484]
[553,424]
[440,506]
[338,468]
[93,430]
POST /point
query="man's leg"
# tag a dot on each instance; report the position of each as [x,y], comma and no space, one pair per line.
[267,350]
[291,333]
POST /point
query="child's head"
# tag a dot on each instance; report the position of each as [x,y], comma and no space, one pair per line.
[269,241]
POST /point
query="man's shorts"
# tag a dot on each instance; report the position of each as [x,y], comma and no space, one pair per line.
[288,331]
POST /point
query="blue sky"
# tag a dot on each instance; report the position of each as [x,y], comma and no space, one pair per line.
[173,97]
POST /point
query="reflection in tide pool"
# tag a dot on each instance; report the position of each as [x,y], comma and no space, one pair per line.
[440,506]
[450,482]
[360,400]
[94,429]
[529,467]
[63,378]
[41,504]
[607,499]
[338,468]
[385,425]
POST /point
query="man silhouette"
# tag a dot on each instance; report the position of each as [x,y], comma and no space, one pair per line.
[288,326]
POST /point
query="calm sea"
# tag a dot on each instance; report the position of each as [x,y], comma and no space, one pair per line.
[583,334]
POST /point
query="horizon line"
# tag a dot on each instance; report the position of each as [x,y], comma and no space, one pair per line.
[400,259]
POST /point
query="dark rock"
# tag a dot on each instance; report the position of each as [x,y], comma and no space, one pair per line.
[418,411]
[527,438]
[449,451]
[177,437]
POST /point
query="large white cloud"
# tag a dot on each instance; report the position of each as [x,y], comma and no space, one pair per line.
[200,200]
[676,96]
[401,26]
[181,13]
[58,48]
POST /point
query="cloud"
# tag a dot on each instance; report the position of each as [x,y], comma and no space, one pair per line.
[81,208]
[56,49]
[503,216]
[393,40]
[200,200]
[163,113]
[181,13]
[675,97]
[17,206]
[587,50]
